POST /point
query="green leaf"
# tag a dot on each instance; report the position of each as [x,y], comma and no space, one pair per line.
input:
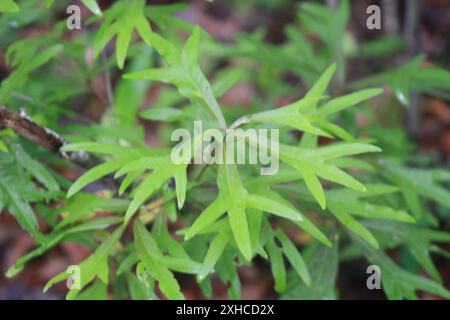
[320,86]
[84,204]
[337,150]
[129,96]
[9,6]
[398,283]
[382,46]
[227,272]
[35,168]
[162,114]
[227,79]
[138,289]
[184,72]
[166,17]
[291,116]
[269,205]
[416,183]
[161,173]
[146,249]
[411,76]
[95,265]
[20,75]
[49,3]
[348,221]
[101,148]
[180,186]
[358,204]
[17,191]
[97,291]
[133,162]
[234,198]
[232,194]
[121,19]
[180,264]
[294,257]
[129,179]
[276,264]
[213,254]
[239,226]
[323,275]
[216,209]
[313,162]
[329,25]
[313,184]
[95,174]
[304,223]
[417,239]
[92,6]
[347,101]
[19,208]
[52,239]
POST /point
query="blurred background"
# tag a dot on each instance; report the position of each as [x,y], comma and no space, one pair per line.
[408,28]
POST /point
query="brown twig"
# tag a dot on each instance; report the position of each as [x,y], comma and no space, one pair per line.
[27,128]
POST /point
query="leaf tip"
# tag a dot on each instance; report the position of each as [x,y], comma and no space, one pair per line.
[327,242]
[71,192]
[12,271]
[331,68]
[47,286]
[188,236]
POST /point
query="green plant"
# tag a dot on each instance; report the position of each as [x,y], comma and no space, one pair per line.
[348,197]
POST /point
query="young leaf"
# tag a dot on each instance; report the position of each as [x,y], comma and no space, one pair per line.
[92,6]
[358,204]
[146,249]
[341,103]
[9,6]
[398,283]
[162,114]
[417,239]
[319,88]
[294,257]
[276,264]
[235,199]
[20,75]
[121,19]
[347,220]
[184,72]
[95,265]
[95,174]
[411,76]
[213,254]
[216,209]
[239,226]
[323,275]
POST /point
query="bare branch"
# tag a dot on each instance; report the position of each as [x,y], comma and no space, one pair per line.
[27,128]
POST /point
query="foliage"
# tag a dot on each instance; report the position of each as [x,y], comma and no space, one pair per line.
[347,197]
